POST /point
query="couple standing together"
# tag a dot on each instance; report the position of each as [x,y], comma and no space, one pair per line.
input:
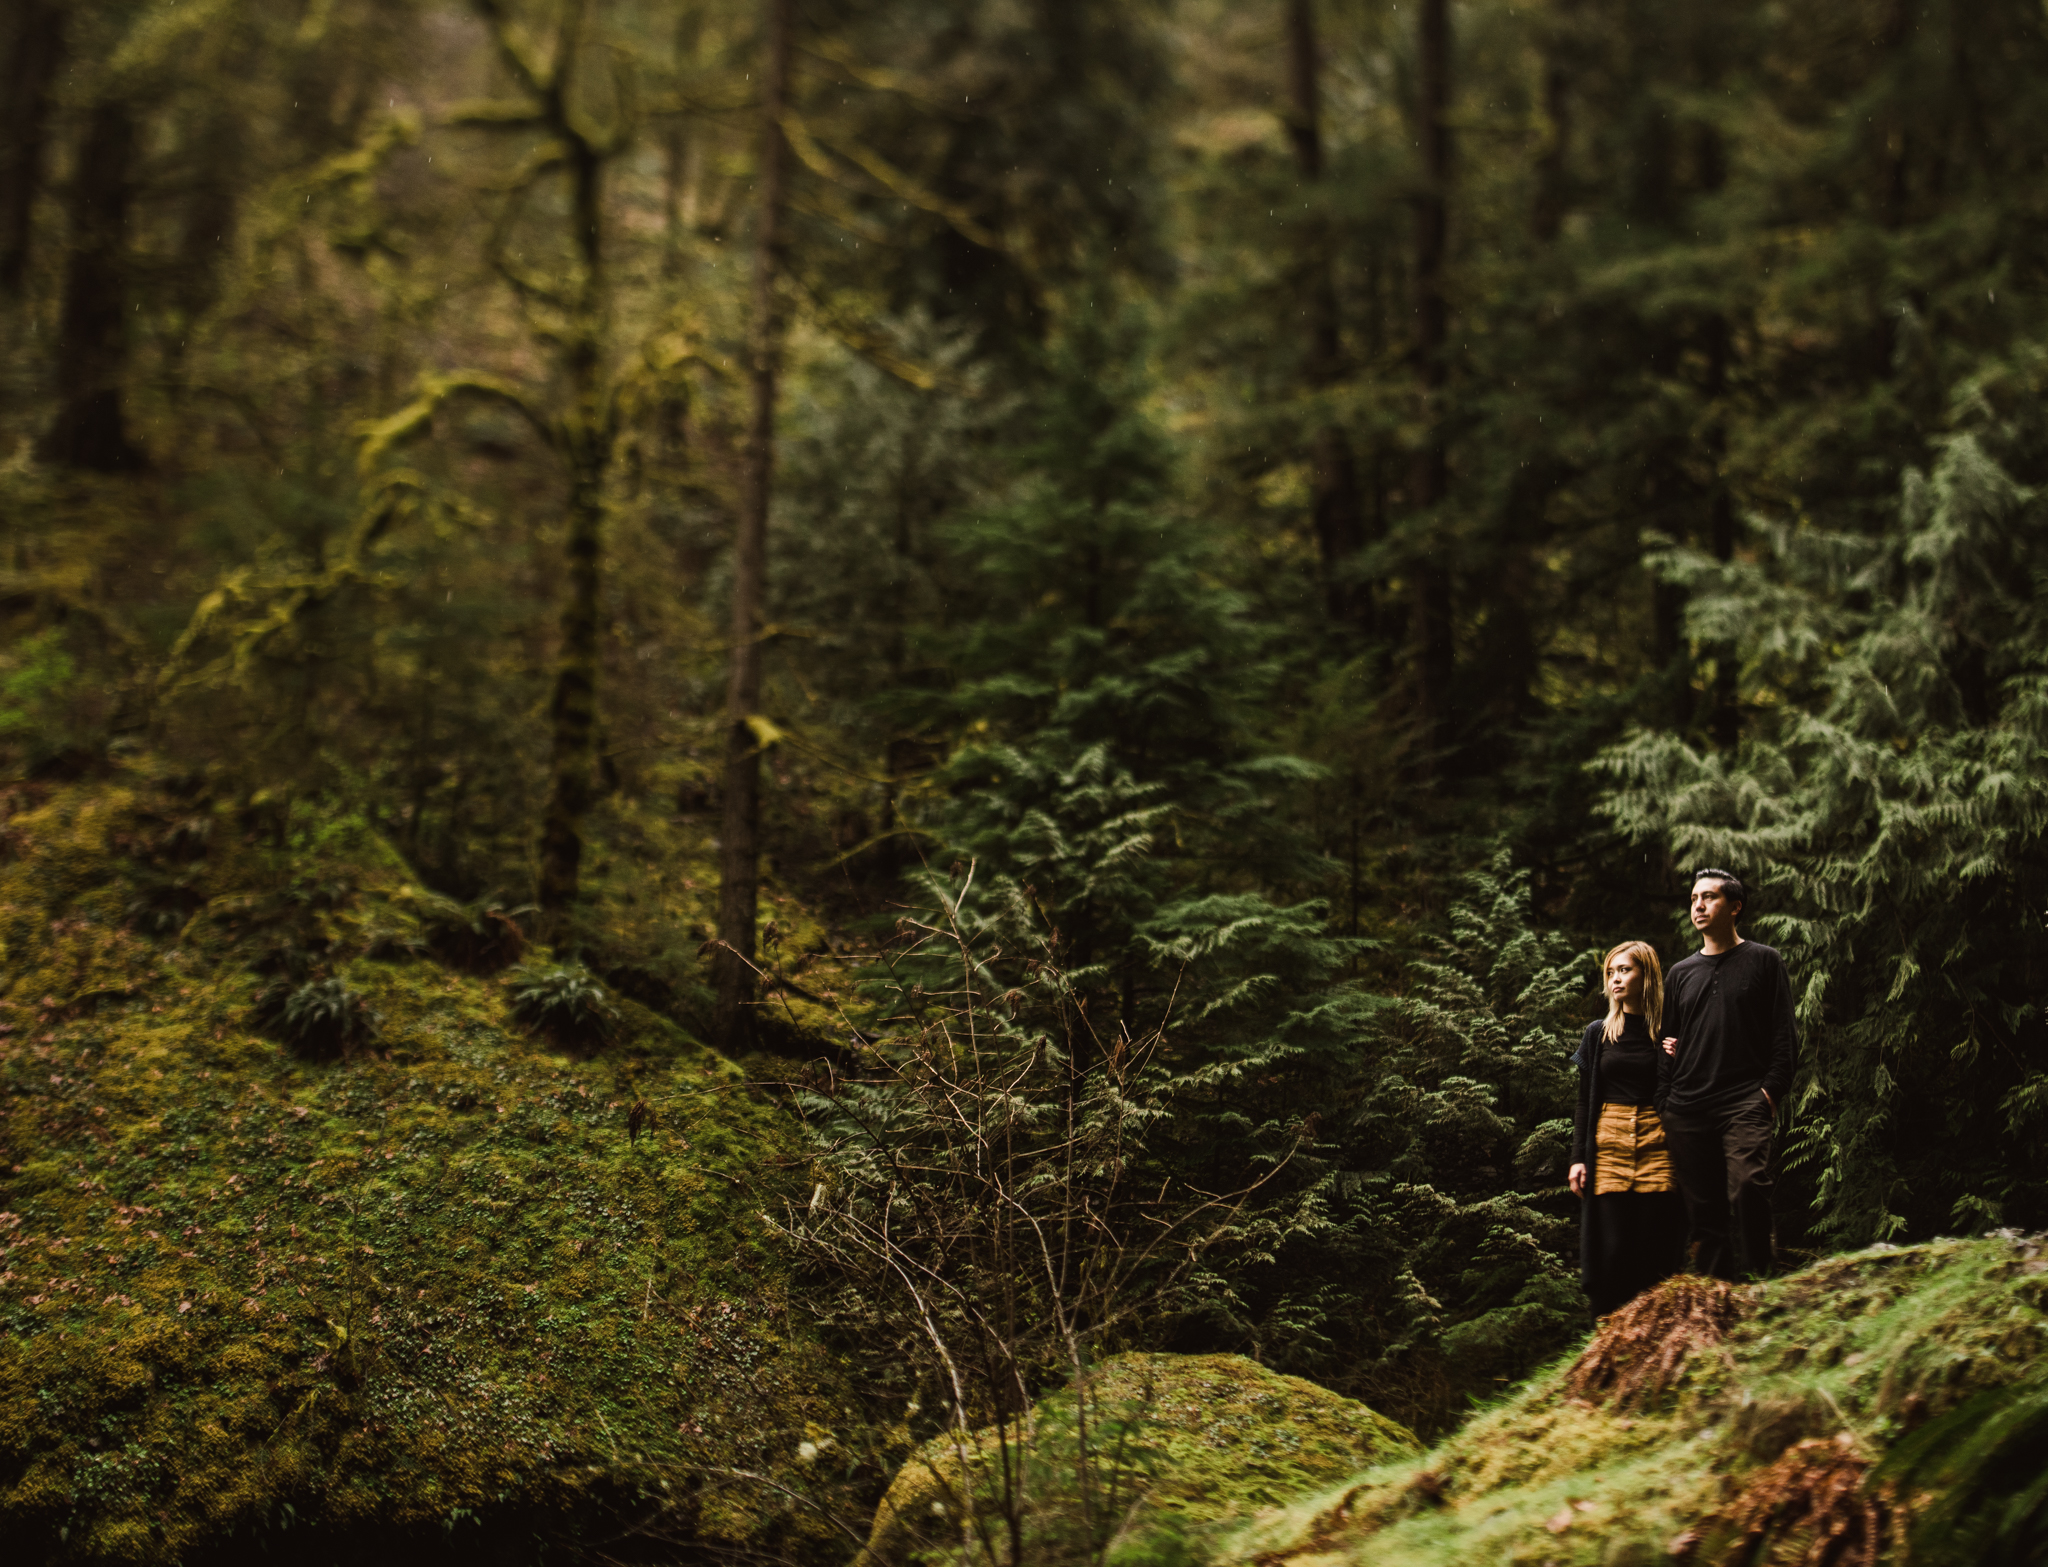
[1671,1153]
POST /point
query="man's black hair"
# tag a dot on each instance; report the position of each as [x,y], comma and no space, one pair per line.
[1731,885]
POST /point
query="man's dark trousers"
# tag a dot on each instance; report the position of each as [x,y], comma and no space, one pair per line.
[1723,1159]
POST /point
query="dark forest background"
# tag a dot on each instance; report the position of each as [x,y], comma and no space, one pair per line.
[1330,508]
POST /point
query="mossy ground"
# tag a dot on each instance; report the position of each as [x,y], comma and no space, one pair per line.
[1867,1344]
[1174,1440]
[252,1301]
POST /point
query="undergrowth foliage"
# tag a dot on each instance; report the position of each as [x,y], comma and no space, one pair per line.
[480,938]
[1422,1257]
[996,1206]
[1413,1250]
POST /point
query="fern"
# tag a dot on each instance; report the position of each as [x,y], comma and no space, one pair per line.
[1985,1465]
[567,1001]
[320,1017]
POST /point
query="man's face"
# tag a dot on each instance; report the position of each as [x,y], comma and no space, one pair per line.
[1712,908]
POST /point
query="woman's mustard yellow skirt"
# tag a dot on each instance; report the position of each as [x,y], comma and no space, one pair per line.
[1631,1156]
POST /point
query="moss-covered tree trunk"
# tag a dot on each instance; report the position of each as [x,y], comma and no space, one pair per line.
[739,844]
[1429,469]
[572,713]
[91,428]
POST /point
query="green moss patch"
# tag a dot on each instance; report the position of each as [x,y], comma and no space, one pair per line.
[250,1299]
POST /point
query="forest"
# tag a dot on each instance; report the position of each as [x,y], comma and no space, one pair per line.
[1035,704]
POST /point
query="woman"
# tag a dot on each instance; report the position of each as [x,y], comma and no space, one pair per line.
[1632,1225]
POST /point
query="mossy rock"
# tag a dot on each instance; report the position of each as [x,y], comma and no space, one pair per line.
[1174,1441]
[438,1293]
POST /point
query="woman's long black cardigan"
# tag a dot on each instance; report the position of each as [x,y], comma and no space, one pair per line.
[1586,1142]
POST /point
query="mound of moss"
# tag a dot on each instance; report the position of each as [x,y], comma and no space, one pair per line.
[1147,1444]
[395,1271]
[1762,1444]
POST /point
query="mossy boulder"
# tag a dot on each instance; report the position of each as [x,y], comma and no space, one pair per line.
[446,1289]
[1826,1370]
[1143,1443]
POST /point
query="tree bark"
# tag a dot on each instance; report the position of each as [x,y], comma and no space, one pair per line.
[91,429]
[1338,505]
[586,441]
[35,48]
[739,845]
[1429,471]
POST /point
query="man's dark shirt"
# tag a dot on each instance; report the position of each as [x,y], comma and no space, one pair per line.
[1732,1017]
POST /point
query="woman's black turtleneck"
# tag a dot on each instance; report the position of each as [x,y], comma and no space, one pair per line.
[1628,1065]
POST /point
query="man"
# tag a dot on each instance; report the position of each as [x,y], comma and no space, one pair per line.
[1729,1045]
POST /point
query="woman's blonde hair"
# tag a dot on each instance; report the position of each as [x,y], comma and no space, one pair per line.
[1653,985]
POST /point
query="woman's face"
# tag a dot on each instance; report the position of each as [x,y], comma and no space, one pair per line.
[1625,981]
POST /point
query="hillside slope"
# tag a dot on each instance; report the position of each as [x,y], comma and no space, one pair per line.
[420,1279]
[1667,1440]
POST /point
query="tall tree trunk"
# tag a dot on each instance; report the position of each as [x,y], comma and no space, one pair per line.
[1891,129]
[1711,162]
[210,210]
[1553,165]
[739,846]
[1727,710]
[682,149]
[91,429]
[1726,720]
[1892,143]
[1670,653]
[1338,504]
[35,47]
[1429,471]
[905,754]
[681,187]
[572,713]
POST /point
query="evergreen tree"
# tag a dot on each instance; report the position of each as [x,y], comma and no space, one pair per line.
[1889,812]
